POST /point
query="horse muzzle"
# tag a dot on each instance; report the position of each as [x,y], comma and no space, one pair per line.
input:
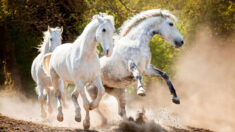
[178,44]
[108,52]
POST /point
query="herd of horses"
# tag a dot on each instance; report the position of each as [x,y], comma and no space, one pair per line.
[127,57]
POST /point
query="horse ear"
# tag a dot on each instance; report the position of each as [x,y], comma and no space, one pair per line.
[61,29]
[100,20]
[49,29]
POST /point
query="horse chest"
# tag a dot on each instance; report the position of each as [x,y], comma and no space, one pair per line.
[87,71]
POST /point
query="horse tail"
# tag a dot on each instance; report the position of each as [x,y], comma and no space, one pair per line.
[46,63]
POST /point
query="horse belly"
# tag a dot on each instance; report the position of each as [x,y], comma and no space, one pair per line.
[119,82]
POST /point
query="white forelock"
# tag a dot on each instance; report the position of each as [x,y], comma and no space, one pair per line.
[127,26]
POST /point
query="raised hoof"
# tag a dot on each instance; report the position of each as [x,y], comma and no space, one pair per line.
[141,92]
[86,125]
[78,119]
[60,118]
[176,100]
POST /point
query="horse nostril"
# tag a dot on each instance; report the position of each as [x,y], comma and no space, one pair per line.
[176,43]
[182,42]
[107,52]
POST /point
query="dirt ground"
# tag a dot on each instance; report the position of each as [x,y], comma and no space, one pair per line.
[12,125]
[139,125]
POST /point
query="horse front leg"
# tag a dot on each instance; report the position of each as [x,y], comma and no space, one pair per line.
[152,71]
[56,84]
[92,91]
[132,67]
[100,92]
[81,89]
[77,107]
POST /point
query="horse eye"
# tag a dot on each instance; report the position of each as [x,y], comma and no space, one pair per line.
[104,30]
[171,24]
[51,39]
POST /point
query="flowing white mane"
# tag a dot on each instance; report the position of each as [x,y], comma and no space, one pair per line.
[46,37]
[127,26]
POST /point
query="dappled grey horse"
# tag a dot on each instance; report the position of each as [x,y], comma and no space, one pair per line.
[131,56]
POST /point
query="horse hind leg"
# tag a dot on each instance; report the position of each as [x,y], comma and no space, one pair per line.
[41,100]
[119,94]
[49,100]
[63,94]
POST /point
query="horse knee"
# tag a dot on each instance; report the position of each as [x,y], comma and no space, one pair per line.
[165,76]
[138,77]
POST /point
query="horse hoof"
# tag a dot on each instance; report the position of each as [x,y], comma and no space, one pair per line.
[86,125]
[77,119]
[141,92]
[60,118]
[176,100]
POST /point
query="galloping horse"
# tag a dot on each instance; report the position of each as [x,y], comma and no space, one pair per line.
[131,56]
[52,39]
[78,63]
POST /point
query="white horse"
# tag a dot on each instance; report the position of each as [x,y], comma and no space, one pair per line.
[78,63]
[52,39]
[131,56]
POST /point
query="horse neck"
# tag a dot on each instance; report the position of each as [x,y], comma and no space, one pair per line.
[142,33]
[86,42]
